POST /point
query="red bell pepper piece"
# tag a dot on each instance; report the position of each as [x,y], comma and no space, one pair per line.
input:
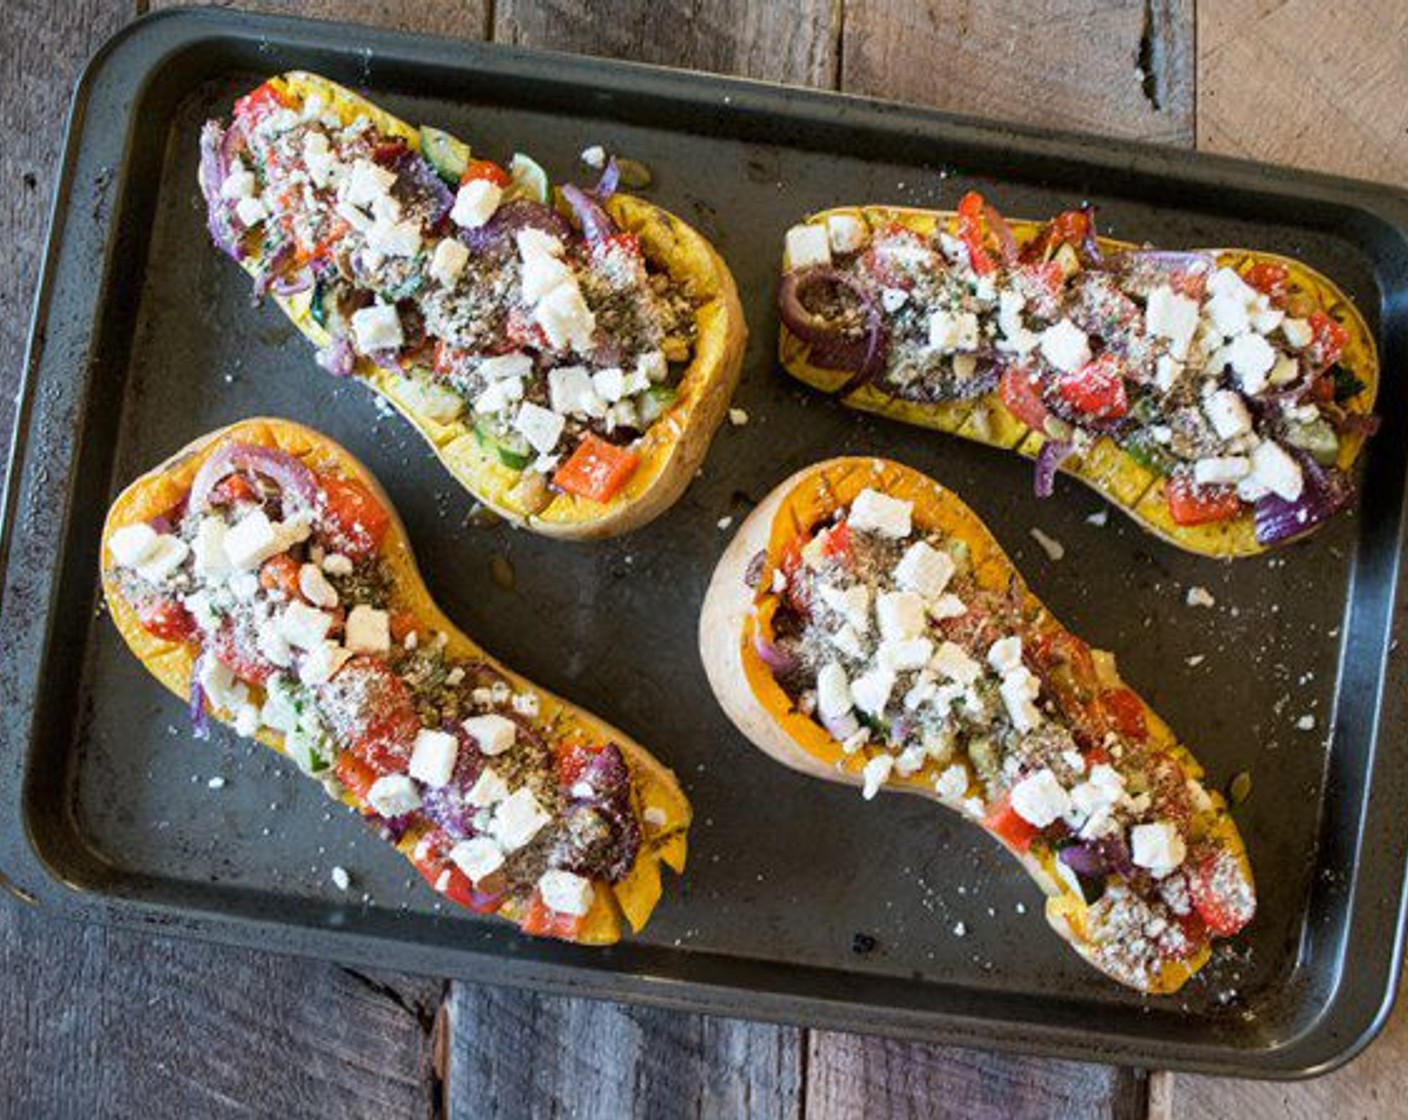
[970,231]
[359,520]
[1097,388]
[1191,504]
[1009,826]
[1021,393]
[486,169]
[167,619]
[541,921]
[596,470]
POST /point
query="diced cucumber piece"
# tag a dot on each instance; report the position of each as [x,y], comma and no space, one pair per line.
[513,451]
[1148,453]
[529,179]
[431,399]
[1316,437]
[447,155]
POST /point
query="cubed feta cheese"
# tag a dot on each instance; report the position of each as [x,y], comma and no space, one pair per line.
[224,691]
[394,239]
[1065,346]
[498,396]
[1267,319]
[269,640]
[393,795]
[924,570]
[251,541]
[566,893]
[1227,413]
[846,232]
[571,392]
[1251,358]
[367,182]
[875,774]
[433,757]
[1019,691]
[1297,333]
[541,427]
[536,242]
[900,615]
[541,274]
[1172,316]
[952,784]
[1273,470]
[1227,315]
[377,328]
[238,184]
[478,857]
[875,512]
[565,318]
[1167,371]
[594,156]
[132,544]
[1221,470]
[1286,370]
[518,819]
[833,691]
[1228,282]
[609,383]
[654,365]
[209,548]
[1016,337]
[871,691]
[488,789]
[808,245]
[166,555]
[953,330]
[314,587]
[892,299]
[368,630]
[902,655]
[1039,799]
[448,261]
[851,603]
[304,626]
[494,733]
[947,606]
[952,662]
[251,210]
[475,203]
[1005,654]
[321,662]
[1157,847]
[515,366]
[321,161]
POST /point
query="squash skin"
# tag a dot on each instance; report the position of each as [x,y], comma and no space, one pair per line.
[733,613]
[1104,466]
[676,443]
[172,663]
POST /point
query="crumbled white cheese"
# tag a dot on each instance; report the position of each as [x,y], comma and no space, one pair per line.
[321,662]
[368,629]
[314,587]
[947,606]
[846,232]
[541,427]
[808,245]
[518,819]
[952,784]
[448,261]
[208,548]
[1019,690]
[475,203]
[251,541]
[166,555]
[875,774]
[304,626]
[1199,597]
[848,642]
[132,544]
[851,603]
[1065,346]
[542,274]
[221,687]
[1297,332]
[565,318]
[904,654]
[377,328]
[566,893]
[900,614]
[873,511]
[952,662]
[1227,413]
[433,757]
[1039,799]
[488,789]
[393,238]
[1252,359]
[833,691]
[494,733]
[1157,847]
[1273,470]
[924,570]
[367,182]
[535,242]
[251,210]
[594,156]
[336,564]
[892,299]
[950,331]
[498,396]
[871,691]
[478,857]
[1221,470]
[1172,316]
[393,795]
[1005,654]
[737,417]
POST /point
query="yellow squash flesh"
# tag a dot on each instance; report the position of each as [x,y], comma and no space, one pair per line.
[1137,491]
[670,451]
[734,615]
[160,489]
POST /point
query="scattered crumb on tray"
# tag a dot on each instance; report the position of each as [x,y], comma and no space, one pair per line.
[1053,548]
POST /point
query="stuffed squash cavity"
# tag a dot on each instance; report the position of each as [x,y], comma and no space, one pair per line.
[570,376]
[1219,397]
[262,573]
[865,627]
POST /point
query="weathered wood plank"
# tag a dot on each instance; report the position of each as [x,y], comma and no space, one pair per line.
[105,1023]
[467,19]
[793,42]
[515,1054]
[46,45]
[854,1076]
[1304,84]
[1123,67]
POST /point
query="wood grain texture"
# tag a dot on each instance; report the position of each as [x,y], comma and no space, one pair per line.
[465,19]
[516,1055]
[1307,83]
[36,82]
[106,1023]
[784,42]
[852,1077]
[1121,67]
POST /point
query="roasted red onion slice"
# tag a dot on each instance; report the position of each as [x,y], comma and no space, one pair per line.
[596,223]
[416,180]
[508,219]
[998,227]
[1048,460]
[861,353]
[338,359]
[291,475]
[200,718]
[1325,493]
[773,656]
[609,181]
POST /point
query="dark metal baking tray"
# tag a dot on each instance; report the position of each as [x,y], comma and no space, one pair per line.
[145,337]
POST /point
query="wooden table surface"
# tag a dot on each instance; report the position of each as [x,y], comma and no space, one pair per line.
[98,1022]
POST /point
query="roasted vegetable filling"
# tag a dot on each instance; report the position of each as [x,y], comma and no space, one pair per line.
[558,344]
[275,578]
[881,633]
[1226,382]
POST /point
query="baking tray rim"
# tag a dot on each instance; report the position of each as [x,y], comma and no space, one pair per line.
[1330,1038]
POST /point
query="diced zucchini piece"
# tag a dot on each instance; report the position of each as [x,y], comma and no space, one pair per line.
[447,155]
[513,451]
[529,179]
[1316,437]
